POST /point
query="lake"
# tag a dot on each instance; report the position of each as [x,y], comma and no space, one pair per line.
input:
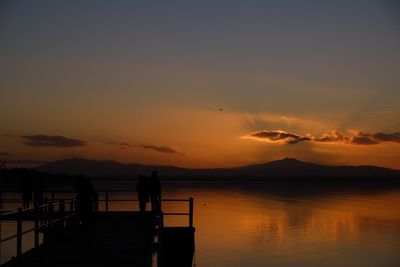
[256,225]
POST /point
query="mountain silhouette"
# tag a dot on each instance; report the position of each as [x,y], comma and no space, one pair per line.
[287,167]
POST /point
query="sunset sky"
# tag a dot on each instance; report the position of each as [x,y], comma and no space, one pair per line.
[200,83]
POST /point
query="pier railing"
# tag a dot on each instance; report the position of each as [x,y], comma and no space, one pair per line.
[190,209]
[44,217]
[190,201]
[60,213]
[106,198]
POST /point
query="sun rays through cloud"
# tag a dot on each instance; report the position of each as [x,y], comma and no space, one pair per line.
[353,137]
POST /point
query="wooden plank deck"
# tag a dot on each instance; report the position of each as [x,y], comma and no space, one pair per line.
[114,239]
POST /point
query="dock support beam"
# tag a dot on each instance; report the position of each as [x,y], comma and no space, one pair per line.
[190,212]
[107,200]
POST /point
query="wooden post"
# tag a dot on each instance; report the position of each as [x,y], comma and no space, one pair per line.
[19,232]
[106,200]
[190,212]
[36,231]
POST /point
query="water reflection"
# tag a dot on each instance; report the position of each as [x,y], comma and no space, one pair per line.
[238,227]
[257,226]
[8,249]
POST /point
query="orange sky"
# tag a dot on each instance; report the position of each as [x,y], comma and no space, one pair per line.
[197,138]
[185,84]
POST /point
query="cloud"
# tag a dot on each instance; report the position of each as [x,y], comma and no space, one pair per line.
[393,137]
[334,137]
[73,156]
[361,138]
[277,136]
[124,145]
[51,141]
[161,149]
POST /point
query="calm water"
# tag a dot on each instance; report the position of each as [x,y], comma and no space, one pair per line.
[256,226]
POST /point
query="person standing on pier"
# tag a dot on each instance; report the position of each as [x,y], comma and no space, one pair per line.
[155,192]
[142,188]
[85,197]
[38,190]
[26,191]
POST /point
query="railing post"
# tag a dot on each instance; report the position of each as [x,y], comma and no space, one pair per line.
[106,200]
[190,212]
[36,231]
[19,232]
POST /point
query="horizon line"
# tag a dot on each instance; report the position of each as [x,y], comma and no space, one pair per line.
[43,162]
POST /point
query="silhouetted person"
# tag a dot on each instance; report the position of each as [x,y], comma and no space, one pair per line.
[38,189]
[155,192]
[85,197]
[26,191]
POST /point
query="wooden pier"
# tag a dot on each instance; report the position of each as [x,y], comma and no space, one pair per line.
[114,238]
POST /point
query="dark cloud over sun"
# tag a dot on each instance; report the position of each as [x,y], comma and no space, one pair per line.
[41,140]
[334,136]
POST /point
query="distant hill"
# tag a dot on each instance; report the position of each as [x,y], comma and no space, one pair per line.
[287,167]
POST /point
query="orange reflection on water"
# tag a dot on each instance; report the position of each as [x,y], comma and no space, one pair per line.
[237,225]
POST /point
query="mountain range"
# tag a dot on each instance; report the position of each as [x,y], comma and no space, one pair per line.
[287,167]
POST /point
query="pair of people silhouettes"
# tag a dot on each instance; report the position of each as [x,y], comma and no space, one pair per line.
[86,200]
[149,189]
[31,185]
[26,191]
